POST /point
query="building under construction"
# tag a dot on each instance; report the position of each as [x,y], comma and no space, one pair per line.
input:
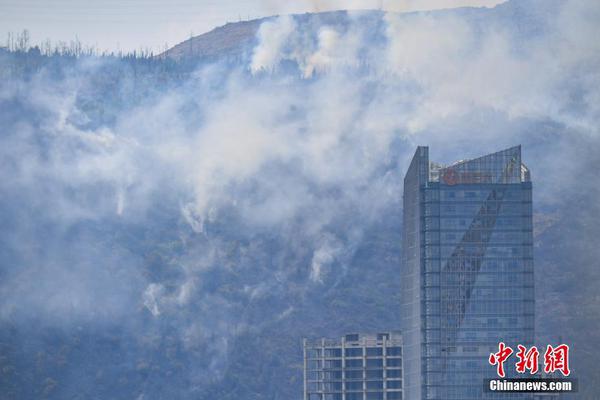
[354,367]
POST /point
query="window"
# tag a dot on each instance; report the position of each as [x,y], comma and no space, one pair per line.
[394,373]
[354,385]
[313,353]
[374,362]
[450,236]
[354,352]
[374,351]
[374,385]
[394,362]
[374,374]
[332,386]
[333,352]
[394,351]
[312,375]
[394,384]
[448,194]
[449,208]
[354,374]
[332,375]
[354,363]
[374,395]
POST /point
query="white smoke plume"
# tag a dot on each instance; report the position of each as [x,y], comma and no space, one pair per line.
[272,36]
[236,201]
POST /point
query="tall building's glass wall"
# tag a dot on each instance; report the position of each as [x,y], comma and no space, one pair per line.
[475,267]
[411,275]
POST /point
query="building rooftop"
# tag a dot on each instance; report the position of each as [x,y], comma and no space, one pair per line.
[358,339]
[504,166]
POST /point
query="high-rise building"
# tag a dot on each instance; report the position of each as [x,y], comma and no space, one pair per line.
[467,272]
[355,367]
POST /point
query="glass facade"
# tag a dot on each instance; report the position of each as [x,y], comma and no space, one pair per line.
[357,367]
[467,272]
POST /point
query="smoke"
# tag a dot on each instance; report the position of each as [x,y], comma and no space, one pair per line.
[272,36]
[323,257]
[195,216]
[275,7]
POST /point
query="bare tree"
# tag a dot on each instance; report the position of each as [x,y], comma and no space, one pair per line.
[23,41]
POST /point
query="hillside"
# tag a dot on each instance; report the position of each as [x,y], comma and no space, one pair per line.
[235,40]
[230,40]
[173,227]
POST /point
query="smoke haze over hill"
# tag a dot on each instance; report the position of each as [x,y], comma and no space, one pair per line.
[174,233]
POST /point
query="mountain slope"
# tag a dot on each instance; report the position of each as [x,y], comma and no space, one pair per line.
[228,40]
[235,40]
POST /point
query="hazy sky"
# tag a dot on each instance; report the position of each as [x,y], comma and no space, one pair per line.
[132,24]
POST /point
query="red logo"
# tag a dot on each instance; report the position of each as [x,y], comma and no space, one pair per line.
[500,357]
[555,359]
[528,359]
[450,176]
[453,177]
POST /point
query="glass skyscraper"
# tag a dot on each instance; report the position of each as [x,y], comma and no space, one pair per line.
[467,272]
